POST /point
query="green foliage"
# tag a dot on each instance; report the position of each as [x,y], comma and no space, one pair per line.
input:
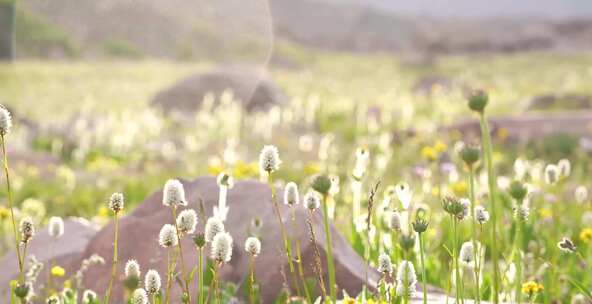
[37,37]
[121,48]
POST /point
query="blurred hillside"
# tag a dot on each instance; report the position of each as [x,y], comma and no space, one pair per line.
[233,30]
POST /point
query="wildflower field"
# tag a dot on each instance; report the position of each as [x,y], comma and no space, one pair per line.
[358,146]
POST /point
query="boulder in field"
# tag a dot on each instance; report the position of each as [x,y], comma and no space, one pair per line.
[252,87]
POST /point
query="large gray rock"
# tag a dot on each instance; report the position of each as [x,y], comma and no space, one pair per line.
[64,251]
[530,127]
[252,87]
[247,200]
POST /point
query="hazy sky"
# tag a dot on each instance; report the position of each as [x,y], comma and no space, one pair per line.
[486,8]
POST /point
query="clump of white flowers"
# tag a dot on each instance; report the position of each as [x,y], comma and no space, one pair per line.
[173,194]
[406,279]
[167,236]
[581,194]
[152,282]
[384,264]
[187,221]
[291,196]
[467,255]
[564,168]
[395,221]
[253,246]
[481,215]
[362,159]
[522,212]
[222,247]
[55,227]
[213,227]
[132,269]
[139,296]
[466,207]
[269,159]
[27,229]
[89,297]
[312,200]
[404,194]
[5,121]
[552,174]
[116,202]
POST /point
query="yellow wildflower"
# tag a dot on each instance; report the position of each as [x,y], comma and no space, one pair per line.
[440,147]
[429,153]
[586,235]
[459,188]
[545,213]
[103,212]
[312,168]
[530,288]
[502,134]
[58,271]
[4,213]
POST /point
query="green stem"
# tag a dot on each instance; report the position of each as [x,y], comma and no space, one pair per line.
[474,231]
[114,263]
[299,260]
[455,259]
[12,218]
[330,265]
[252,279]
[287,246]
[167,296]
[518,260]
[200,295]
[180,247]
[486,138]
[423,268]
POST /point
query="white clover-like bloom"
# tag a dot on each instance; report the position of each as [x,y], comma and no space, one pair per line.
[186,221]
[221,251]
[173,194]
[551,174]
[291,196]
[564,168]
[253,246]
[152,282]
[55,227]
[213,226]
[404,194]
[466,205]
[579,299]
[511,272]
[406,279]
[522,212]
[481,215]
[384,264]
[334,190]
[520,168]
[395,221]
[269,159]
[53,300]
[89,297]
[581,194]
[27,229]
[132,269]
[167,236]
[362,159]
[116,202]
[467,255]
[225,180]
[312,200]
[5,121]
[139,296]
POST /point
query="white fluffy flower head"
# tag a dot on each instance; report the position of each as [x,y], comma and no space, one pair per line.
[312,200]
[406,279]
[551,174]
[213,227]
[404,194]
[186,221]
[222,247]
[89,296]
[132,269]
[55,227]
[467,255]
[253,246]
[173,194]
[291,196]
[269,159]
[139,296]
[5,121]
[481,215]
[27,229]
[581,194]
[152,282]
[384,264]
[395,221]
[116,202]
[167,236]
[564,166]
